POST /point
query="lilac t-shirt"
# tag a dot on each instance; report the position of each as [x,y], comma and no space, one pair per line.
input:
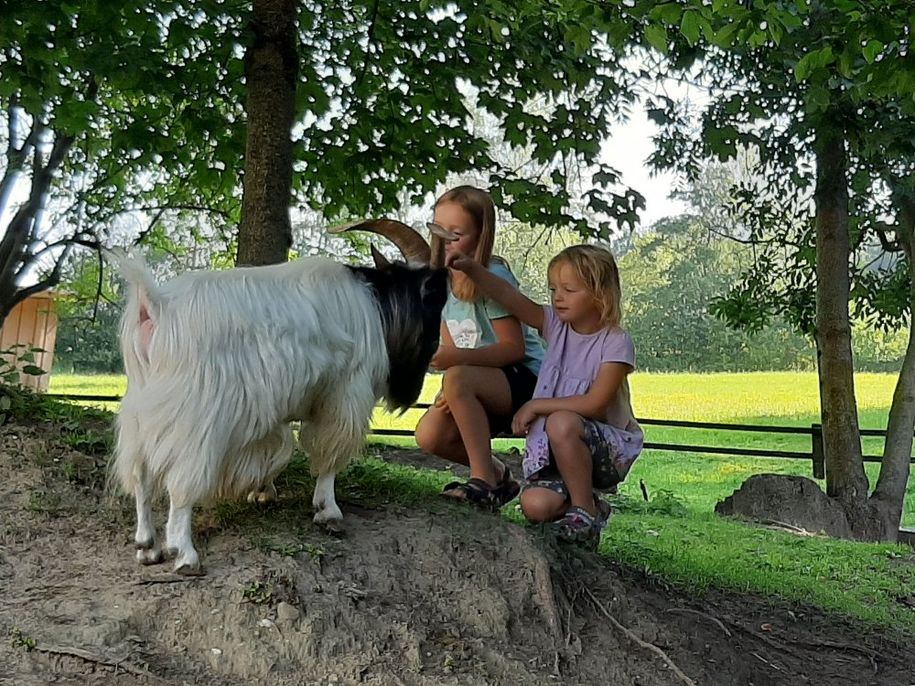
[571,365]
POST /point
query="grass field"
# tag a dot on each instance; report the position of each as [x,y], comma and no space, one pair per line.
[676,535]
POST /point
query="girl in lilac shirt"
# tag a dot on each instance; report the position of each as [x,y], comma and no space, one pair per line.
[581,432]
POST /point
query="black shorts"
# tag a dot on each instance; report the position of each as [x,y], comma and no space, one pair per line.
[522,382]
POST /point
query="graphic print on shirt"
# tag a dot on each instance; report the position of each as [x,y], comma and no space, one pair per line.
[465,333]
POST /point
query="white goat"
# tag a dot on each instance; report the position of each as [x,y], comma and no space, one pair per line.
[219,363]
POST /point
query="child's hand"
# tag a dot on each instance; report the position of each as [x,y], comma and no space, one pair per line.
[445,357]
[524,417]
[459,261]
[440,403]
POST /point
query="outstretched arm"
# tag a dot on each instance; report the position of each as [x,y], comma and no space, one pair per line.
[490,285]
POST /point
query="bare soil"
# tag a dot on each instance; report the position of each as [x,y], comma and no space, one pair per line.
[406,596]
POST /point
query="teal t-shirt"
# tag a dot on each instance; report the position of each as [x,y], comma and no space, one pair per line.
[470,323]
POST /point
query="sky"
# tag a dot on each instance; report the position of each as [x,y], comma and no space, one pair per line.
[628,149]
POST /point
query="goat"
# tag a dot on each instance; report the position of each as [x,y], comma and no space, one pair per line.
[219,363]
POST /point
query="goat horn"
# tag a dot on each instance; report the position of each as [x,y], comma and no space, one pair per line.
[410,243]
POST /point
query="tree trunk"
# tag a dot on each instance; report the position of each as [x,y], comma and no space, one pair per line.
[17,246]
[845,477]
[271,68]
[889,495]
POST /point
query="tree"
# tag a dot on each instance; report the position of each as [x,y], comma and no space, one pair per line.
[271,73]
[670,278]
[142,107]
[804,84]
[106,110]
[386,94]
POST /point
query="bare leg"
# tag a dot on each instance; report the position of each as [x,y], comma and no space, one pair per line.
[436,433]
[573,458]
[471,392]
[542,505]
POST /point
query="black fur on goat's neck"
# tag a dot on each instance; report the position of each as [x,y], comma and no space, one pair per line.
[410,300]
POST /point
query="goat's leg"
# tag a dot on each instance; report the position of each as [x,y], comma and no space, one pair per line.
[335,436]
[178,539]
[264,495]
[273,452]
[327,512]
[148,552]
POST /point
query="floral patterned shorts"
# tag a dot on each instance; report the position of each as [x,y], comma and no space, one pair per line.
[604,458]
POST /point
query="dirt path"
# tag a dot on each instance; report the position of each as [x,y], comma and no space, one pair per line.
[406,597]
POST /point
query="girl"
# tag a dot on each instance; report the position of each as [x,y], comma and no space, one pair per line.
[490,360]
[580,428]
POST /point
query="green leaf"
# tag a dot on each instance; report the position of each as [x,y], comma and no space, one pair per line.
[812,62]
[871,50]
[657,38]
[724,37]
[690,27]
[32,370]
[580,36]
[669,13]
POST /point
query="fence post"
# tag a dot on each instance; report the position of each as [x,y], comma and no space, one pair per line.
[817,454]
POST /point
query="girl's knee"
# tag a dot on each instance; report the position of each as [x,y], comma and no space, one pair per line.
[563,426]
[541,505]
[458,382]
[432,433]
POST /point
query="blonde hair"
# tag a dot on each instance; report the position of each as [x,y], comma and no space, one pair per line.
[597,269]
[479,205]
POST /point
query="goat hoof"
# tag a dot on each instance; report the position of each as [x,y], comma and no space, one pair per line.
[332,526]
[148,544]
[263,497]
[149,556]
[190,570]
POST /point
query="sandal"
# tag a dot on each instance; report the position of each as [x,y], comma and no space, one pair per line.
[604,511]
[508,488]
[478,492]
[580,528]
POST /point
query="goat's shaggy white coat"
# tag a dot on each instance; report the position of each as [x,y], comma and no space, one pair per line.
[218,363]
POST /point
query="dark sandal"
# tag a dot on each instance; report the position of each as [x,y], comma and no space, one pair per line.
[580,528]
[479,493]
[507,487]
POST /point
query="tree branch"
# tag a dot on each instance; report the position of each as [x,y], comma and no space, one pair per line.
[368,45]
[152,224]
[15,158]
[45,284]
[23,225]
[889,246]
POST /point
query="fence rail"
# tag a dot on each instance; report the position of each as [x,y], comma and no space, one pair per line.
[816,454]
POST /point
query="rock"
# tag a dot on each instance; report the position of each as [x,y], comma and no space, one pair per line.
[794,500]
[286,613]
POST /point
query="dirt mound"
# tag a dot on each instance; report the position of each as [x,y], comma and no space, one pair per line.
[794,500]
[433,596]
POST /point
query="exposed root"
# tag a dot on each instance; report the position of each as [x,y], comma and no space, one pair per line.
[638,641]
[100,660]
[702,614]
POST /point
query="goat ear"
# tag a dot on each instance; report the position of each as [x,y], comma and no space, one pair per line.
[435,288]
[379,259]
